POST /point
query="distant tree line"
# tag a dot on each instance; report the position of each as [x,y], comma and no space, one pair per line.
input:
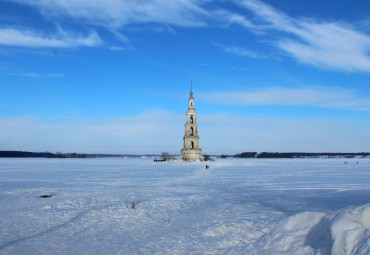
[21,154]
[64,155]
[26,154]
[167,157]
[300,154]
[246,155]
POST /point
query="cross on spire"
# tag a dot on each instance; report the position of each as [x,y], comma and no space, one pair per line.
[191,87]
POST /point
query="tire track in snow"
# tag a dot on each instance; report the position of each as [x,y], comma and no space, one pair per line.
[49,230]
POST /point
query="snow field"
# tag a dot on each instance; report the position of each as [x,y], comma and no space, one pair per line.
[238,206]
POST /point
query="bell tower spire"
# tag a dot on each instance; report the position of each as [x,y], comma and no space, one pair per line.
[191,87]
[191,150]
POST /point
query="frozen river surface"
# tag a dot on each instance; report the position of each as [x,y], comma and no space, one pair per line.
[136,206]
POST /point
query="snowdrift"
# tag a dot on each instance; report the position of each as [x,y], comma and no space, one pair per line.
[345,232]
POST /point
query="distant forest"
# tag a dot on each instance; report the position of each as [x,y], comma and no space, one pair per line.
[26,154]
[21,154]
[300,155]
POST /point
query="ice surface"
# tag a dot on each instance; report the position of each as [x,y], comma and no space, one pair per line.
[136,206]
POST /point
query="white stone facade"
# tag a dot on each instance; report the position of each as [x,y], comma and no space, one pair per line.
[191,150]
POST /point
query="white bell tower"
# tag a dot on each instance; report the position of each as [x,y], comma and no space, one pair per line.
[191,150]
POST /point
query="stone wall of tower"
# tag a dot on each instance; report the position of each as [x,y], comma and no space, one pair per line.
[191,150]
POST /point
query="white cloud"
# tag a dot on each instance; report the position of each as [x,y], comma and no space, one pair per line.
[117,13]
[326,45]
[316,97]
[5,70]
[155,132]
[110,14]
[39,75]
[116,48]
[150,132]
[367,109]
[329,46]
[27,38]
[231,18]
[322,44]
[239,51]
[225,133]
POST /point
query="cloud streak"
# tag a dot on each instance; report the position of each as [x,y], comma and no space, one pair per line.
[118,13]
[318,43]
[239,51]
[38,75]
[116,48]
[314,97]
[27,38]
[283,135]
[158,131]
[110,14]
[325,45]
[154,131]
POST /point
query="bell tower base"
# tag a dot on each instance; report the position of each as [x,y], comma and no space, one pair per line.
[191,155]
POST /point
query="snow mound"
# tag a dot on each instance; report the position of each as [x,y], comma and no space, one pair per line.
[345,232]
[350,230]
[297,234]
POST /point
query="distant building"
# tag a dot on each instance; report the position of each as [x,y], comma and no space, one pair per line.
[191,150]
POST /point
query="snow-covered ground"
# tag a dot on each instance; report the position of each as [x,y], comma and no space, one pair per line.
[136,206]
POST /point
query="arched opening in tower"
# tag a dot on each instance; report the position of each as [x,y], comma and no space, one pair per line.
[191,131]
[191,119]
[192,145]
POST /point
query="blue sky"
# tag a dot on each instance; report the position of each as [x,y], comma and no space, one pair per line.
[113,76]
